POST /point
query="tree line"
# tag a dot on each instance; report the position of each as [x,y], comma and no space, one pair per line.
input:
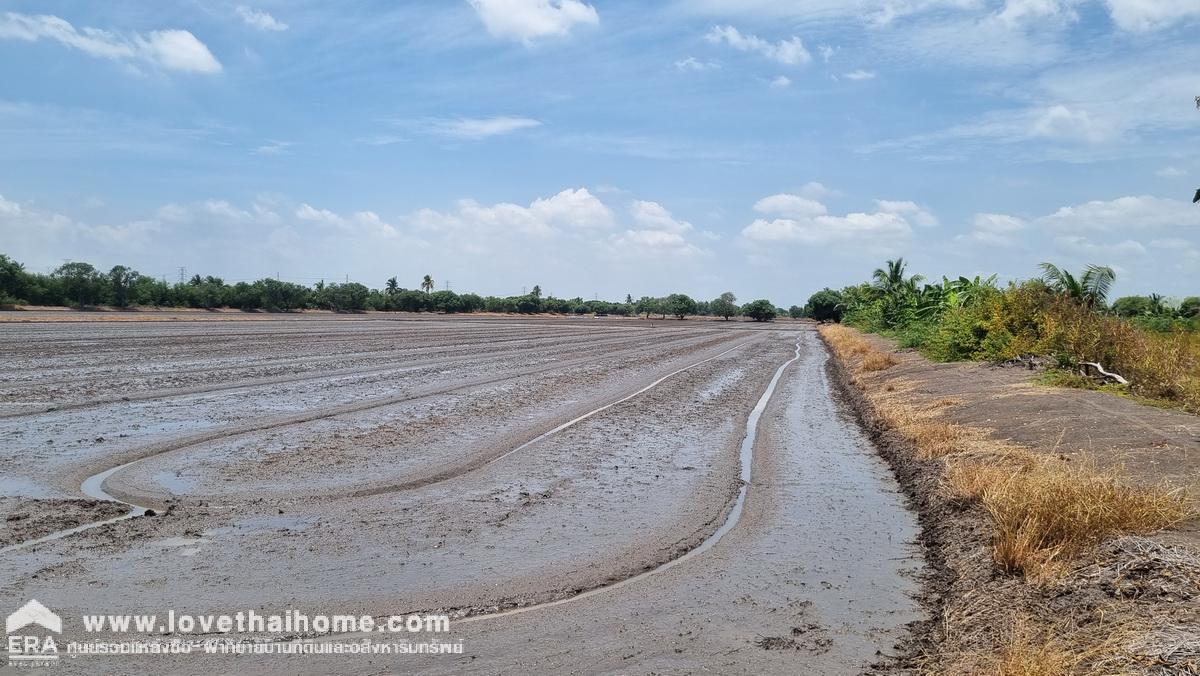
[81,285]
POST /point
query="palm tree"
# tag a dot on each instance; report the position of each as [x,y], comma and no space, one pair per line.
[891,281]
[1158,305]
[427,284]
[392,286]
[1090,288]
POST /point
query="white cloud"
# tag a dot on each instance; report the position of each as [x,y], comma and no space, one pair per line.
[994,230]
[480,128]
[790,52]
[790,206]
[805,221]
[693,64]
[170,49]
[1062,122]
[1078,246]
[569,210]
[828,229]
[859,75]
[259,19]
[655,216]
[826,52]
[817,191]
[1147,15]
[1124,214]
[781,82]
[1171,172]
[528,20]
[910,211]
[273,148]
[1017,11]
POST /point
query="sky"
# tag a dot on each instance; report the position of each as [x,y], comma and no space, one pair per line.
[609,147]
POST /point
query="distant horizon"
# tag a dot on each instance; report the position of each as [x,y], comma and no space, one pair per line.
[604,148]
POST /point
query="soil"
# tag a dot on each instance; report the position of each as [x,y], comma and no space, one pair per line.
[543,481]
[1143,593]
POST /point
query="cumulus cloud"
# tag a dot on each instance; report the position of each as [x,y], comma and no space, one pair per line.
[656,232]
[910,211]
[170,49]
[804,221]
[1124,214]
[789,52]
[655,216]
[1147,15]
[256,18]
[528,20]
[790,206]
[994,230]
[480,128]
[364,222]
[570,209]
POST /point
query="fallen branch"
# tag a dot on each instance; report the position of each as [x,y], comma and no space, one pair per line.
[1115,377]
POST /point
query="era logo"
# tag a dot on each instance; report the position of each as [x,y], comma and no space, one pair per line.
[24,650]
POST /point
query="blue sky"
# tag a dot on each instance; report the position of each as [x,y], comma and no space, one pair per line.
[768,148]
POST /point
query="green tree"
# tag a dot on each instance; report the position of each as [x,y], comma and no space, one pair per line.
[1190,307]
[680,305]
[647,306]
[427,284]
[1090,288]
[796,312]
[1131,306]
[761,310]
[12,281]
[392,286]
[121,280]
[826,305]
[724,305]
[79,281]
[537,291]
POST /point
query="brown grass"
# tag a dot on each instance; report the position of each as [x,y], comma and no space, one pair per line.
[1047,511]
[1049,651]
[852,348]
[878,361]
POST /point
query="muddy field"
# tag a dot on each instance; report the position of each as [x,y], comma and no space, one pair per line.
[582,495]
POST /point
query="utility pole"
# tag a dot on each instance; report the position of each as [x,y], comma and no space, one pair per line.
[447,285]
[182,274]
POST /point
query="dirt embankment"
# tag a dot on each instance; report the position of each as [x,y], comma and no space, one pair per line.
[1110,583]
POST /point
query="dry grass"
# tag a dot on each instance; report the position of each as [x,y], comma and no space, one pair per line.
[878,361]
[1027,650]
[1046,511]
[852,348]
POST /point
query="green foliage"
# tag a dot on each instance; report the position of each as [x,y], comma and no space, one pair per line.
[1190,307]
[761,310]
[825,305]
[796,312]
[1090,288]
[724,306]
[680,305]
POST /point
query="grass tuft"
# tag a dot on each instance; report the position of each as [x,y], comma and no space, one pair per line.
[1046,511]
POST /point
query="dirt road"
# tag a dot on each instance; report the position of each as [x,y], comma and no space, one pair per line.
[468,466]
